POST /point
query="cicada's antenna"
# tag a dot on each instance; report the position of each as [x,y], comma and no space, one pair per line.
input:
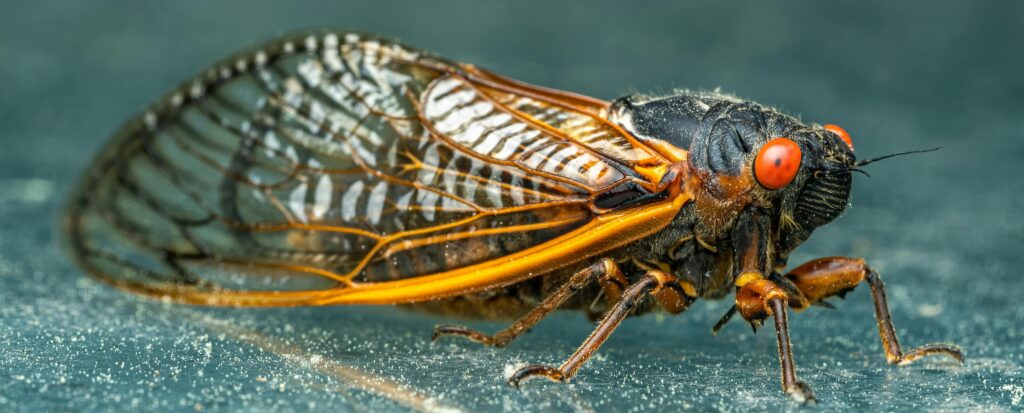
[845,170]
[857,165]
[872,160]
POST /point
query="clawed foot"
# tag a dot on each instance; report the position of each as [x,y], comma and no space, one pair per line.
[533,370]
[466,333]
[929,350]
[801,392]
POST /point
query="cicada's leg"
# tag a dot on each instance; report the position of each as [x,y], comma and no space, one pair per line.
[663,287]
[605,271]
[757,299]
[825,277]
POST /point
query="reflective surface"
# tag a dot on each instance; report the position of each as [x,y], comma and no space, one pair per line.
[943,228]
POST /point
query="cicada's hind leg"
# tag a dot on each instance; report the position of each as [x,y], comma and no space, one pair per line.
[606,272]
[665,288]
[826,277]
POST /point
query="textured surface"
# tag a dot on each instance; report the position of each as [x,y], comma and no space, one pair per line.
[944,229]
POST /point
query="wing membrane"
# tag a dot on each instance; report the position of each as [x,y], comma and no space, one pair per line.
[328,164]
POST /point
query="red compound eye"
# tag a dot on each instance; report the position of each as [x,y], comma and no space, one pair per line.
[777,162]
[841,133]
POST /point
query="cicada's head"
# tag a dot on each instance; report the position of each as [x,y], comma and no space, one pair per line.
[744,154]
[806,175]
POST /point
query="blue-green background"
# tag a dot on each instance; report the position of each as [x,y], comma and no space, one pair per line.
[945,228]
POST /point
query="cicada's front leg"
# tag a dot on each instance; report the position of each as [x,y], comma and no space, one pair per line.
[759,297]
[826,277]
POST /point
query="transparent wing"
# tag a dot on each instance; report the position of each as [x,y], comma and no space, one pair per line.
[338,161]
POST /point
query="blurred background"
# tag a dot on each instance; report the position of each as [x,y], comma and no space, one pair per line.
[944,228]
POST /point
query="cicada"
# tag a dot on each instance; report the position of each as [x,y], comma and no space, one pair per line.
[335,168]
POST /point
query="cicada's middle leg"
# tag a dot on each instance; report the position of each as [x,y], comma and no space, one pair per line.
[606,272]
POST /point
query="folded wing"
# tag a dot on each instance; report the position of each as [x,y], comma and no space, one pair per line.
[326,164]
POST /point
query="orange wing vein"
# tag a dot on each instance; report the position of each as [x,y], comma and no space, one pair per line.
[334,168]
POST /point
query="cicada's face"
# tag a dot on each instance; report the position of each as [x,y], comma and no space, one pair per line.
[820,189]
[745,150]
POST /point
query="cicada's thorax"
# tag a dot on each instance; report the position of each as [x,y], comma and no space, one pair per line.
[696,245]
[729,210]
